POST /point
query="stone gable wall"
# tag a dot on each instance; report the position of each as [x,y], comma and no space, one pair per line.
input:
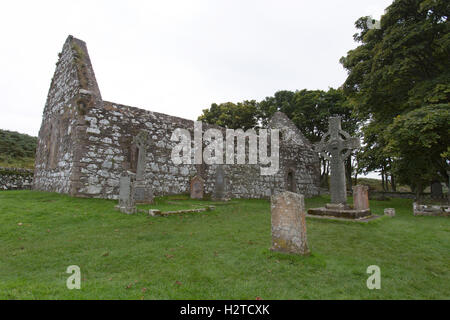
[85,144]
[54,154]
[72,92]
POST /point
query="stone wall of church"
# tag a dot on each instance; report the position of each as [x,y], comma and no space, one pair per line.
[85,144]
[110,151]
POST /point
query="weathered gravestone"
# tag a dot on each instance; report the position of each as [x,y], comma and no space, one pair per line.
[219,185]
[335,146]
[289,223]
[436,190]
[197,187]
[143,192]
[126,194]
[361,197]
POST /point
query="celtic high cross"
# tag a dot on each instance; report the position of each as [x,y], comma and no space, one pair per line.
[335,146]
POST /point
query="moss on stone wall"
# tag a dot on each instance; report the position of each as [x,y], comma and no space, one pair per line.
[15,172]
[79,58]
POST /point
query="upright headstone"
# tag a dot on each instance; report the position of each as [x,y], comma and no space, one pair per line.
[289,223]
[126,194]
[436,190]
[336,145]
[141,141]
[143,192]
[197,187]
[361,197]
[219,184]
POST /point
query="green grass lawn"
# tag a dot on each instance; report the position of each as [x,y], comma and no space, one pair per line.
[222,254]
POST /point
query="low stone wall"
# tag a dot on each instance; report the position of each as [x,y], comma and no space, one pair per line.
[431,210]
[15,179]
[380,195]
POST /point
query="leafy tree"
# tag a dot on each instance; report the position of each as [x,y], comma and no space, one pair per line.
[311,114]
[283,101]
[313,109]
[309,110]
[397,69]
[16,149]
[373,156]
[415,140]
[242,115]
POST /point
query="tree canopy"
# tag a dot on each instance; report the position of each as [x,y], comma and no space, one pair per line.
[241,115]
[396,96]
[398,81]
[16,149]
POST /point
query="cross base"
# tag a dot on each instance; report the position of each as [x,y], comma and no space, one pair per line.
[126,210]
[340,211]
[340,206]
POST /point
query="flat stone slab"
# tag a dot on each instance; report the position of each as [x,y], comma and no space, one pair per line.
[158,213]
[431,209]
[340,213]
[361,220]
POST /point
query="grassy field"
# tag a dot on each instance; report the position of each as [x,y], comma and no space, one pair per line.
[222,254]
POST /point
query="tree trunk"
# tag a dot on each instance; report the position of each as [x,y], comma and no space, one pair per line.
[419,190]
[393,183]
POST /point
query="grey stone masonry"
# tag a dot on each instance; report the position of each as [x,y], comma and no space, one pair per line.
[15,179]
[86,143]
[431,209]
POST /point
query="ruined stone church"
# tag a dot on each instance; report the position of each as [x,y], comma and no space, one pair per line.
[85,144]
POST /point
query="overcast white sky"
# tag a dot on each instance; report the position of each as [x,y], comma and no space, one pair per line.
[176,57]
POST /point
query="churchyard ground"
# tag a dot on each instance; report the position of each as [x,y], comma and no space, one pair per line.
[221,254]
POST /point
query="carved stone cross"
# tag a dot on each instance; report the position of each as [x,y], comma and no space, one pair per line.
[141,141]
[336,145]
